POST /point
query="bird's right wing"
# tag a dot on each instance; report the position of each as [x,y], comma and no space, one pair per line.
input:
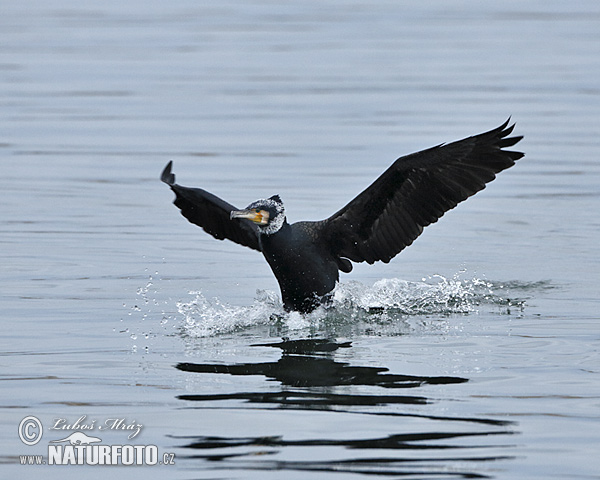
[211,213]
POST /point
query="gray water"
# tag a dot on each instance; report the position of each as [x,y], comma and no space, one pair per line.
[483,360]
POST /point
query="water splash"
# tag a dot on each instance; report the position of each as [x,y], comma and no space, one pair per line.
[203,317]
[141,327]
[414,298]
[388,301]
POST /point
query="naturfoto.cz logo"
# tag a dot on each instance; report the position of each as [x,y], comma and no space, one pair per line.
[79,448]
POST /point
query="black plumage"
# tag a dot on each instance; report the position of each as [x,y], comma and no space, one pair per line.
[306,257]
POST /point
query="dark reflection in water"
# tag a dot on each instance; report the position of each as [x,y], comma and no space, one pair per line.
[304,368]
[298,369]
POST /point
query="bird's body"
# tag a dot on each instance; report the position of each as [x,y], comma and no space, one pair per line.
[300,261]
[306,257]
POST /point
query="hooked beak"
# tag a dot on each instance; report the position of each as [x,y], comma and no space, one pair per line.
[260,217]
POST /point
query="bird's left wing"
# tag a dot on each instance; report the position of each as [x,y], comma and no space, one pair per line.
[211,213]
[415,192]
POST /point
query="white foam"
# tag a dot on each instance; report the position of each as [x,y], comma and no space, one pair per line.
[203,317]
[388,300]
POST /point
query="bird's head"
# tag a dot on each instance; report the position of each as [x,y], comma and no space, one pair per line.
[268,214]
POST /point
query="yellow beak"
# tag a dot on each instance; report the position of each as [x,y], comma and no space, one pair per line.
[260,217]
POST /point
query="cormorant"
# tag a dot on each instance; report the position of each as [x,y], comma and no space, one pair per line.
[306,257]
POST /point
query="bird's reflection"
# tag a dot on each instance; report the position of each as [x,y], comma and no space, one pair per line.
[300,367]
[308,374]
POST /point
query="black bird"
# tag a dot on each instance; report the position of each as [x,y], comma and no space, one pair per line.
[306,257]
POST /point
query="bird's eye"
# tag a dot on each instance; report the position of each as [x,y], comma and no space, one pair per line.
[257,210]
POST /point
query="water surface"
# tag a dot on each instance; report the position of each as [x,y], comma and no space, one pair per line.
[481,358]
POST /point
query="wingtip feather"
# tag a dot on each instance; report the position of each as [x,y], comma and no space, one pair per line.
[166,176]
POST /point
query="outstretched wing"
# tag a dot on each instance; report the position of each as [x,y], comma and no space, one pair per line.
[211,213]
[415,192]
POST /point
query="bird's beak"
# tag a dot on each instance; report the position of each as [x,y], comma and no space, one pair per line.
[260,217]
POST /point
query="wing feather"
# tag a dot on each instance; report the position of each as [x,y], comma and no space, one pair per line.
[211,213]
[415,192]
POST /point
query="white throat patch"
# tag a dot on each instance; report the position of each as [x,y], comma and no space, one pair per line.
[275,221]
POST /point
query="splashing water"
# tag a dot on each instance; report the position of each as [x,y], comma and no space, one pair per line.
[414,298]
[387,301]
[203,318]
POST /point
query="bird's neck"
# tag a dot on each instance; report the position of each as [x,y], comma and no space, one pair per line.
[281,230]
